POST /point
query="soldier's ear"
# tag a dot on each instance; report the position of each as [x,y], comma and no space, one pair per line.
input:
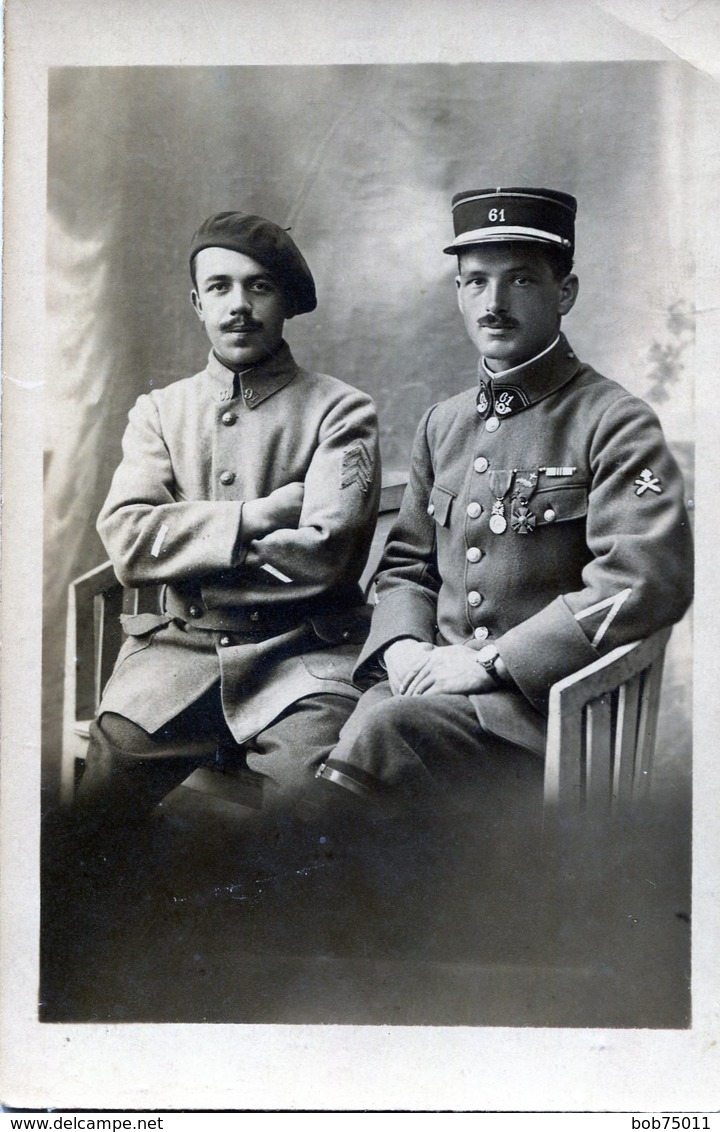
[568,293]
[197,305]
[458,284]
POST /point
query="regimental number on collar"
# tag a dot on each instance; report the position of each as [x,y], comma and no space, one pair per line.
[504,403]
[647,481]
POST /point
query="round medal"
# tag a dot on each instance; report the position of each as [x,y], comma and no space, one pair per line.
[498,524]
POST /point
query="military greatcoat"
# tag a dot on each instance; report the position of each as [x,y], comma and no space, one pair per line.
[279,625]
[545,515]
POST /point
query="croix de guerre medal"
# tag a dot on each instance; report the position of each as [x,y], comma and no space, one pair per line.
[500,484]
[522,519]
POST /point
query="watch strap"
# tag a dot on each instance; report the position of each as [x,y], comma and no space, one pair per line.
[487,662]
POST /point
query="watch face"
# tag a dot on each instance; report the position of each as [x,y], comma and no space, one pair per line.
[488,655]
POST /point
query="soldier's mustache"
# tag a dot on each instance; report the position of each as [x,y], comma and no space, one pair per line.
[490,322]
[241,324]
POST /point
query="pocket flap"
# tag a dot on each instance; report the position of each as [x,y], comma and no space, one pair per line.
[350,626]
[440,504]
[138,624]
[556,504]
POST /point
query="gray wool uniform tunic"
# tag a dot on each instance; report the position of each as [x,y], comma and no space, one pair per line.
[545,515]
[278,625]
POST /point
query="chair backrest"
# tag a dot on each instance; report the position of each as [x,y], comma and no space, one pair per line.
[390,499]
[92,641]
[95,603]
[601,732]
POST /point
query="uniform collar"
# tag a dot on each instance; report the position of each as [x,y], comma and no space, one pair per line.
[510,391]
[254,384]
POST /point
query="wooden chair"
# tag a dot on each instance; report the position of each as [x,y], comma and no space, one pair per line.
[597,821]
[601,734]
[602,720]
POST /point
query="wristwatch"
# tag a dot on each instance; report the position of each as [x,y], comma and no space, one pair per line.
[487,657]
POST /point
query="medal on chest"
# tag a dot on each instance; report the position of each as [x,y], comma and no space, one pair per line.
[522,519]
[500,484]
[498,522]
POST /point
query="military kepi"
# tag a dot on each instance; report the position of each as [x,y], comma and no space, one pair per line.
[486,215]
[269,245]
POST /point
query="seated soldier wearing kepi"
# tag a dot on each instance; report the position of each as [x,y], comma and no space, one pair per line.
[543,525]
[250,492]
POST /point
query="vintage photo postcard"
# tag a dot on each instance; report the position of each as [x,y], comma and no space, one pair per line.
[294,294]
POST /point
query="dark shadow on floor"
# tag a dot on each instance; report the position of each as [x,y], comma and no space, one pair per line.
[217,922]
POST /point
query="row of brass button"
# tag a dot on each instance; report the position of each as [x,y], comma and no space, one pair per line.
[195,611]
[473,553]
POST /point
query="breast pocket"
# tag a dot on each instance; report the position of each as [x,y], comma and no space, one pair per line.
[560,503]
[440,506]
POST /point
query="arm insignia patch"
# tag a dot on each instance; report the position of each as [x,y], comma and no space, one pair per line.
[357,467]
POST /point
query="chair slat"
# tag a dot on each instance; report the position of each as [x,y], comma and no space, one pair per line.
[628,709]
[131,601]
[617,736]
[647,728]
[84,659]
[564,788]
[598,756]
[101,623]
[390,500]
[108,637]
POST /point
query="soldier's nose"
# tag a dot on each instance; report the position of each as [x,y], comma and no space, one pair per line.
[495,300]
[239,301]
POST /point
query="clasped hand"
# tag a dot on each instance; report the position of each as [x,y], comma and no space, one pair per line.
[416,668]
[274,512]
[280,510]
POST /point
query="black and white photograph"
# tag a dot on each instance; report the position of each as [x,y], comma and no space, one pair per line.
[363,395]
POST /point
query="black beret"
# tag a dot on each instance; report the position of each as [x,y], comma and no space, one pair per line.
[267,244]
[491,215]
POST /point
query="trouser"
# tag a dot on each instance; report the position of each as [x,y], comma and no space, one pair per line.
[401,752]
[128,770]
[110,860]
[457,813]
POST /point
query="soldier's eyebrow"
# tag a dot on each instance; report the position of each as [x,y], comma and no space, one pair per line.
[510,272]
[225,277]
[260,277]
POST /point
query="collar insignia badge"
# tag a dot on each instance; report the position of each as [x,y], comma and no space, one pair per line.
[504,403]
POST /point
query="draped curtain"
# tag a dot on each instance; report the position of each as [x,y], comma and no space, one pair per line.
[360,162]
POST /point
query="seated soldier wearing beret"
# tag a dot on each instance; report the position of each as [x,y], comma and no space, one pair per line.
[250,492]
[543,525]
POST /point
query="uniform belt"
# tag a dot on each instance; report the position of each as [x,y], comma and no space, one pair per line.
[255,620]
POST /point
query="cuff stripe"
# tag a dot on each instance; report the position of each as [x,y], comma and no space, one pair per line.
[343,779]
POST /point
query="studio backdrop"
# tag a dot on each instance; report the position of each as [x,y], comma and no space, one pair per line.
[360,163]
